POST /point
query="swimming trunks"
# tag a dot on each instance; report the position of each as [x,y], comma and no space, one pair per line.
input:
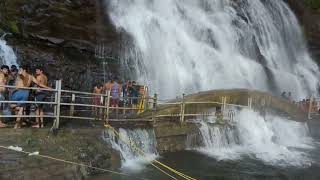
[40,97]
[20,95]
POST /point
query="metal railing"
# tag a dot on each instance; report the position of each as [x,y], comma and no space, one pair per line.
[68,104]
[227,113]
[76,101]
[311,106]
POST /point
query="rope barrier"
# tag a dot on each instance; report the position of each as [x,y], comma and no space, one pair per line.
[138,150]
[68,162]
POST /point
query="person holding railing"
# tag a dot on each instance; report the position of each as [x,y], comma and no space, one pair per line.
[13,75]
[40,96]
[12,78]
[3,81]
[23,81]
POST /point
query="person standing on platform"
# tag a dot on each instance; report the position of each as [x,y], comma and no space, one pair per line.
[40,96]
[3,81]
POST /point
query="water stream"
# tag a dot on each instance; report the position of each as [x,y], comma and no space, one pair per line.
[271,139]
[7,55]
[144,139]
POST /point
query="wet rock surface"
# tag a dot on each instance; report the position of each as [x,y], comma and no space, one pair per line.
[308,13]
[62,36]
[82,146]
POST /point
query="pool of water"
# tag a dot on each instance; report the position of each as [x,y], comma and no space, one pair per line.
[203,165]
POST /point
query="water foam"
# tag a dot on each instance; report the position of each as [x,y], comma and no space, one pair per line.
[185,46]
[273,140]
[131,159]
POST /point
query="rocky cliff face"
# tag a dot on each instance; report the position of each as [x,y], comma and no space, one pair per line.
[308,12]
[62,36]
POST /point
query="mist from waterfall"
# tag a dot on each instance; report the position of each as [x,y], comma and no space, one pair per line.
[274,140]
[184,46]
[7,55]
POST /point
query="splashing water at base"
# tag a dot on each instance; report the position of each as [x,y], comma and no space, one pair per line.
[7,55]
[273,140]
[144,139]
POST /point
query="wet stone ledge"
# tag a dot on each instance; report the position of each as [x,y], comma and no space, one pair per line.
[82,146]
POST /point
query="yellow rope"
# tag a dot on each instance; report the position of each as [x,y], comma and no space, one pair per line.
[138,150]
[70,162]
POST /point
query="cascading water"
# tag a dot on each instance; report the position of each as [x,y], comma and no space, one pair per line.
[191,45]
[271,139]
[144,139]
[7,55]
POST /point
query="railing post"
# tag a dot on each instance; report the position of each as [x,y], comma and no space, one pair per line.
[154,108]
[250,102]
[146,98]
[107,104]
[310,107]
[73,100]
[57,106]
[124,105]
[182,109]
[224,104]
[101,110]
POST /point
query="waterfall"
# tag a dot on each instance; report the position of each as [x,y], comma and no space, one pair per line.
[144,139]
[184,46]
[7,55]
[272,139]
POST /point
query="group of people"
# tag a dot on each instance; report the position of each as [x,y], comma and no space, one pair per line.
[126,94]
[306,106]
[287,95]
[20,79]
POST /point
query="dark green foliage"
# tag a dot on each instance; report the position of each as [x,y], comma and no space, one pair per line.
[314,4]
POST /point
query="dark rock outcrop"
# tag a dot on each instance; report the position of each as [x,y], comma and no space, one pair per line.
[62,36]
[308,13]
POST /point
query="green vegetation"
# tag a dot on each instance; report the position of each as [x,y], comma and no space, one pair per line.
[314,4]
[13,27]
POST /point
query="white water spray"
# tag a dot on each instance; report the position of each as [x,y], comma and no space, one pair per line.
[184,46]
[141,138]
[275,141]
[7,55]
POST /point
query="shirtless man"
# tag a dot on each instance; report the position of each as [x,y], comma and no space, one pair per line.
[98,89]
[23,80]
[107,86]
[40,96]
[3,81]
